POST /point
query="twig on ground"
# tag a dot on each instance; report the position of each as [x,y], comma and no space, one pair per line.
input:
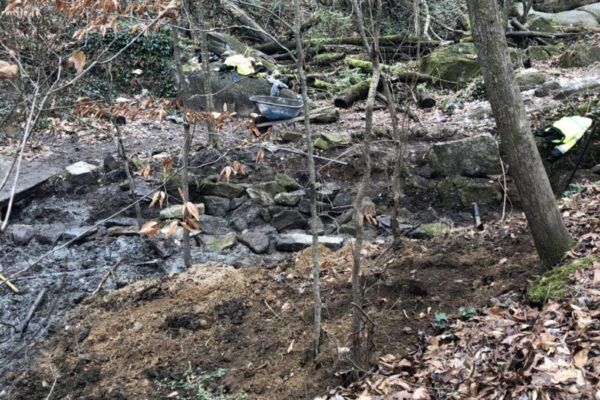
[105,277]
[273,311]
[22,328]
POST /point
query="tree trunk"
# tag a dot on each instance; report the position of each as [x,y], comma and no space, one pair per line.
[316,270]
[210,107]
[255,29]
[545,223]
[187,143]
[360,350]
[355,93]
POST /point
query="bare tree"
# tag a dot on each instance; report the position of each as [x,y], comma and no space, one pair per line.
[358,351]
[210,107]
[545,223]
[187,143]
[316,270]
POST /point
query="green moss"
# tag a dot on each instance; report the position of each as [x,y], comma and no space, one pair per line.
[554,283]
[435,229]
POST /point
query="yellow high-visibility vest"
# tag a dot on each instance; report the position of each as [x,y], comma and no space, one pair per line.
[243,65]
[572,129]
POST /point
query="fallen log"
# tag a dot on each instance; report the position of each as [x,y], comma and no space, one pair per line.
[255,29]
[353,94]
[398,71]
[390,40]
[327,58]
[578,88]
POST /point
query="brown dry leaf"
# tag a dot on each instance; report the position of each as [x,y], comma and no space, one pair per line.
[78,60]
[238,167]
[171,228]
[159,198]
[260,155]
[167,162]
[421,394]
[227,172]
[8,70]
[149,229]
[193,210]
[581,358]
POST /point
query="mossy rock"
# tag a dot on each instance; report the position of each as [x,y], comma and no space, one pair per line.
[456,65]
[287,182]
[554,284]
[322,144]
[544,53]
[548,22]
[579,55]
[460,192]
[435,229]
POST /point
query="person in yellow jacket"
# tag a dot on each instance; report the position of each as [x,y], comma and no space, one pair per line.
[564,134]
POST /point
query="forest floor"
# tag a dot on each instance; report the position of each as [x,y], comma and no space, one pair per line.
[230,333]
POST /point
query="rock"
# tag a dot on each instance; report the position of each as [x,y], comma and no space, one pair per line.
[287,182]
[48,234]
[260,196]
[82,172]
[247,214]
[456,65]
[20,234]
[530,79]
[342,200]
[304,206]
[289,219]
[435,229]
[288,135]
[543,53]
[321,144]
[289,198]
[475,156]
[213,225]
[327,191]
[110,164]
[299,241]
[265,214]
[271,187]
[78,232]
[337,138]
[221,189]
[219,242]
[551,22]
[120,221]
[256,241]
[547,88]
[596,169]
[176,211]
[208,158]
[226,91]
[349,228]
[593,9]
[33,174]
[553,6]
[118,230]
[460,192]
[579,55]
[215,205]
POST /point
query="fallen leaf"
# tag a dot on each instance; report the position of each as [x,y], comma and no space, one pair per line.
[581,358]
[78,60]
[8,71]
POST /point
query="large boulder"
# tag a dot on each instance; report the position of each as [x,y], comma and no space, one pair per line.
[235,94]
[474,156]
[460,192]
[579,55]
[455,65]
[547,22]
[593,9]
[559,5]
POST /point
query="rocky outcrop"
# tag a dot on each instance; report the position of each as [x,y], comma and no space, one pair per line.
[476,156]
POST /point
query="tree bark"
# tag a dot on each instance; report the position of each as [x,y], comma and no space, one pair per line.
[360,350]
[210,107]
[255,29]
[355,93]
[545,223]
[187,143]
[316,269]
